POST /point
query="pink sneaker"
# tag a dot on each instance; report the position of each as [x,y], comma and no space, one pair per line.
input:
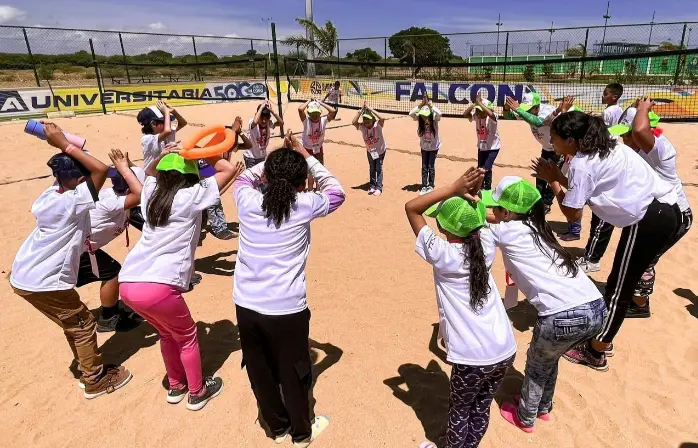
[545,416]
[508,411]
[371,190]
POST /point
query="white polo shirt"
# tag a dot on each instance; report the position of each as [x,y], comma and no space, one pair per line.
[472,338]
[544,283]
[108,218]
[618,188]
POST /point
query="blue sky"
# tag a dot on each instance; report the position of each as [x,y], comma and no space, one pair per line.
[353,19]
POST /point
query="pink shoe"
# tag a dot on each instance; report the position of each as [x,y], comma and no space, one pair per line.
[427,444]
[542,415]
[508,411]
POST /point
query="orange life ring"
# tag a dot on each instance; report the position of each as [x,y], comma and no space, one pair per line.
[223,139]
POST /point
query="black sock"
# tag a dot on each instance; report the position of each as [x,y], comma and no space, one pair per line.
[109,311]
[593,351]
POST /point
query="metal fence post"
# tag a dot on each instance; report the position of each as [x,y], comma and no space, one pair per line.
[196,58]
[99,78]
[385,55]
[584,55]
[123,53]
[252,55]
[31,58]
[276,75]
[680,61]
[339,67]
[506,55]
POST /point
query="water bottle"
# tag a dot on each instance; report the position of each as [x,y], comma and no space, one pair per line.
[36,129]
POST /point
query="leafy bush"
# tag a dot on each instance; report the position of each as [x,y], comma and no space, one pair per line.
[529,73]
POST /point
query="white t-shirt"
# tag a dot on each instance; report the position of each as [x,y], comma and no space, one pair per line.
[333,95]
[544,283]
[542,134]
[166,254]
[487,134]
[49,258]
[373,138]
[481,338]
[663,159]
[152,147]
[314,134]
[270,269]
[108,218]
[618,188]
[259,137]
[612,114]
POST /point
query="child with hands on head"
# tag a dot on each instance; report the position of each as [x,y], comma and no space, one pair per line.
[371,127]
[158,269]
[427,118]
[314,127]
[477,333]
[488,142]
[260,129]
[45,269]
[156,122]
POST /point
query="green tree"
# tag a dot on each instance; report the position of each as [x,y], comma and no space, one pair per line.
[420,46]
[365,56]
[324,40]
[575,52]
[529,73]
[548,70]
[208,56]
[669,46]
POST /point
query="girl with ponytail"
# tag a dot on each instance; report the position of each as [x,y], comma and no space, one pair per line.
[269,286]
[570,308]
[623,190]
[476,331]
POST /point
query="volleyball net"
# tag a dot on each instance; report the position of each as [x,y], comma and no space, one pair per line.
[670,78]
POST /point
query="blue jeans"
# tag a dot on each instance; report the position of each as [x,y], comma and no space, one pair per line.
[428,168]
[216,218]
[375,171]
[575,228]
[485,159]
[552,336]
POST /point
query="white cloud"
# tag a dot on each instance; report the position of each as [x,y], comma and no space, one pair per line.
[231,35]
[10,13]
[157,26]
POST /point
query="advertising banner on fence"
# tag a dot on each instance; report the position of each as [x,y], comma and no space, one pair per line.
[453,97]
[116,98]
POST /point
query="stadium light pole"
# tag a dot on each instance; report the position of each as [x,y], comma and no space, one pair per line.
[551,30]
[309,35]
[649,41]
[605,24]
[499,24]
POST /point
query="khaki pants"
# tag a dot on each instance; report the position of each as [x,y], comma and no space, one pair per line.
[78,324]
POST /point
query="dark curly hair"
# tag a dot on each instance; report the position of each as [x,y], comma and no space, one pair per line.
[540,229]
[159,207]
[285,171]
[590,133]
[479,273]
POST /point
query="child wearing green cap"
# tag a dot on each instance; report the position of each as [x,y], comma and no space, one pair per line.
[371,128]
[570,307]
[158,269]
[488,142]
[427,118]
[622,189]
[477,333]
[638,129]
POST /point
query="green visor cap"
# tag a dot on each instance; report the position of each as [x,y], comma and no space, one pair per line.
[425,111]
[486,103]
[175,162]
[458,216]
[529,100]
[625,124]
[368,116]
[512,193]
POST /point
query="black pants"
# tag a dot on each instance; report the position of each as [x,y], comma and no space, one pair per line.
[428,168]
[485,159]
[639,245]
[107,268]
[276,351]
[472,391]
[545,191]
[599,236]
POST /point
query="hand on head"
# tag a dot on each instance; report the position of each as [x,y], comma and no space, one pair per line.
[468,185]
[55,136]
[645,103]
[237,125]
[162,106]
[170,148]
[290,141]
[119,159]
[567,103]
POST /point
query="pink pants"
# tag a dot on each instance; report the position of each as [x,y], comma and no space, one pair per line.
[165,309]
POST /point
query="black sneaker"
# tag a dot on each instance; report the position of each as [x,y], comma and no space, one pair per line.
[638,312]
[225,235]
[175,396]
[581,355]
[213,386]
[118,322]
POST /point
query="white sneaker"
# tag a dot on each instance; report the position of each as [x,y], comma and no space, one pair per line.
[587,266]
[377,193]
[423,191]
[430,189]
[371,190]
[319,426]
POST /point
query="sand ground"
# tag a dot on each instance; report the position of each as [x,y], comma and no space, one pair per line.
[381,378]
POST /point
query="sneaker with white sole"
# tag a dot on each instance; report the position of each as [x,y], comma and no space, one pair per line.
[587,266]
[320,424]
[112,379]
[423,191]
[213,386]
[430,189]
[175,396]
[377,193]
[281,438]
[371,190]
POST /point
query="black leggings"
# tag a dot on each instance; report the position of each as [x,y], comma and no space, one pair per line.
[428,168]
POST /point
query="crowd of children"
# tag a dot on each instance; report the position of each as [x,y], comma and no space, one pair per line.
[620,164]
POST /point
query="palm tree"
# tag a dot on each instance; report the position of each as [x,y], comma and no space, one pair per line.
[322,41]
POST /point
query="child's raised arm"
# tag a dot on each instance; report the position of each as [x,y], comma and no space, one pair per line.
[332,112]
[258,115]
[301,110]
[165,111]
[181,121]
[355,121]
[485,109]
[98,170]
[278,121]
[225,171]
[123,166]
[642,131]
[381,120]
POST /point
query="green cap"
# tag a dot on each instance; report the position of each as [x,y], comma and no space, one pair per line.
[486,103]
[458,216]
[529,100]
[512,193]
[625,124]
[175,162]
[425,111]
[314,107]
[368,116]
